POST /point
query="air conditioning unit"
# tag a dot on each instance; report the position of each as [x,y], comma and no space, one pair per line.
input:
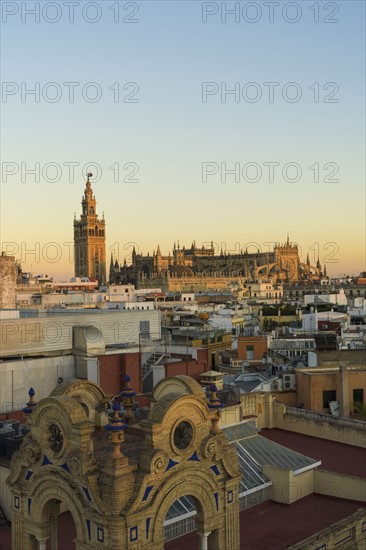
[287,385]
[275,386]
[287,378]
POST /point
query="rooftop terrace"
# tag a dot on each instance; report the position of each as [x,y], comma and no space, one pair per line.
[335,457]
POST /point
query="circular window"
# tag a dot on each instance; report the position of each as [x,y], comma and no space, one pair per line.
[183,435]
[55,438]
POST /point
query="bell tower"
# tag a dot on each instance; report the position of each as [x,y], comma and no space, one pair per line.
[89,238]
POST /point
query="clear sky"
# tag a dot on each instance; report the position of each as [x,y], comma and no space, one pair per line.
[161,70]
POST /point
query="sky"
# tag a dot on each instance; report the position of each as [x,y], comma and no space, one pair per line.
[236,122]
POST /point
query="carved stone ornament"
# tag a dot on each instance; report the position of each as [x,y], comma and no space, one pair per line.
[159,462]
[212,449]
[55,439]
[30,450]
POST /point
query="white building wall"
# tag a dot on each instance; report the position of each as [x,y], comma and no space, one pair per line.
[338,299]
[54,333]
[16,377]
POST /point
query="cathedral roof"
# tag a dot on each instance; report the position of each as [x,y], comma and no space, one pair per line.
[180,270]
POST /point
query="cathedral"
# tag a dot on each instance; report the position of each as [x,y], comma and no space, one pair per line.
[184,269]
[89,239]
[194,269]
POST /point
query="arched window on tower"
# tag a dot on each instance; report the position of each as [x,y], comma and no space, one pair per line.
[92,211]
[90,232]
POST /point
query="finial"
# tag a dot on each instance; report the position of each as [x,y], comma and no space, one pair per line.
[128,395]
[116,427]
[31,403]
[215,405]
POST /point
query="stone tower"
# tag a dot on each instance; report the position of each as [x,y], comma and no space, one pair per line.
[89,239]
[7,281]
[286,256]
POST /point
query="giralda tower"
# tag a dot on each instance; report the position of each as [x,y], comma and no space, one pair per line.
[89,239]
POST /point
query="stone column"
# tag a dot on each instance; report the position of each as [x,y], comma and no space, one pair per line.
[53,522]
[41,543]
[203,540]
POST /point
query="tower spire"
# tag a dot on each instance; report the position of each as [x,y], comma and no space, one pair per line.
[89,238]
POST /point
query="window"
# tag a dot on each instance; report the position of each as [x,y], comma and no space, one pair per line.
[250,352]
[358,396]
[145,329]
[328,395]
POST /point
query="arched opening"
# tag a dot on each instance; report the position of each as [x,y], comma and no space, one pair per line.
[55,515]
[64,533]
[185,527]
[188,521]
[180,519]
[58,528]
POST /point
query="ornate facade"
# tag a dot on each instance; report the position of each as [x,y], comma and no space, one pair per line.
[119,498]
[89,239]
[197,268]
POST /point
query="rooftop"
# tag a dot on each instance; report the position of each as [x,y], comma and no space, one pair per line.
[255,451]
[335,457]
[277,526]
[268,525]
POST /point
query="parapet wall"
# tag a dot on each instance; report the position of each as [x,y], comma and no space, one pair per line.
[338,485]
[347,534]
[270,413]
[343,430]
